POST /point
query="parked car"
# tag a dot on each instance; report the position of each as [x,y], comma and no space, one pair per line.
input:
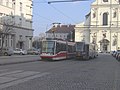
[117,52]
[33,51]
[112,52]
[118,57]
[7,51]
[20,51]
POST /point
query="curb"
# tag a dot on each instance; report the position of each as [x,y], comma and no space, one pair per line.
[22,56]
[19,62]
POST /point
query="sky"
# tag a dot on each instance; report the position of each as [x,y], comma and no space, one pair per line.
[45,14]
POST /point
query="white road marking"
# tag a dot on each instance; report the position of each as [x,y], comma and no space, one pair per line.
[11,78]
[6,79]
[3,70]
[12,72]
[23,74]
[22,80]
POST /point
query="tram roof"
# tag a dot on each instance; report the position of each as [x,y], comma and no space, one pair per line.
[62,41]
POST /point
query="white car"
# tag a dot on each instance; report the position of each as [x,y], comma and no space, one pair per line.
[20,51]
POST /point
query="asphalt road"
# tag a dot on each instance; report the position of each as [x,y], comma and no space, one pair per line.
[15,59]
[102,73]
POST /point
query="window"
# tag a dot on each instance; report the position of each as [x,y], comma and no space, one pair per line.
[12,36]
[105,0]
[20,21]
[1,1]
[105,18]
[94,15]
[48,46]
[13,5]
[6,36]
[114,14]
[6,43]
[20,36]
[20,6]
[7,3]
[60,47]
[0,42]
[11,43]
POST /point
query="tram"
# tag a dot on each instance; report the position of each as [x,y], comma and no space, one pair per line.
[86,51]
[57,50]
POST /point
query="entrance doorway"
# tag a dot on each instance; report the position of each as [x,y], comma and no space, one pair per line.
[104,43]
[20,45]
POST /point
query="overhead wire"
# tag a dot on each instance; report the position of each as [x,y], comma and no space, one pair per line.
[61,12]
[45,18]
[53,8]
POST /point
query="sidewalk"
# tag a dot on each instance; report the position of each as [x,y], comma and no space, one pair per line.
[15,59]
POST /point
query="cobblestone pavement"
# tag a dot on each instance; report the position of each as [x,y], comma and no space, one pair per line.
[102,73]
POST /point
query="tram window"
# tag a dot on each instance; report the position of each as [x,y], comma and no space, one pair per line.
[60,47]
[69,49]
[57,47]
[48,46]
[63,47]
[83,48]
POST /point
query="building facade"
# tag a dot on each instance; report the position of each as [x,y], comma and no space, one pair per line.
[17,16]
[103,25]
[63,32]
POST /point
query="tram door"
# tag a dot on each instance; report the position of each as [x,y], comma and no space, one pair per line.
[86,51]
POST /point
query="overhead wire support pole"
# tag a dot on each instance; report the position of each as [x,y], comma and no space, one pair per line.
[65,1]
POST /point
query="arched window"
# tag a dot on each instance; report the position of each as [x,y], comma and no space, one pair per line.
[94,15]
[105,0]
[105,18]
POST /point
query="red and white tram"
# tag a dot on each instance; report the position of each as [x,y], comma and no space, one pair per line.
[57,50]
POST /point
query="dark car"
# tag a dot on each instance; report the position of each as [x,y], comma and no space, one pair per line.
[118,58]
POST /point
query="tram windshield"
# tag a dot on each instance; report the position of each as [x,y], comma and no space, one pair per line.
[79,46]
[48,46]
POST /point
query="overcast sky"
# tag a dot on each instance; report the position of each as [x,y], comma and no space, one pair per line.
[45,14]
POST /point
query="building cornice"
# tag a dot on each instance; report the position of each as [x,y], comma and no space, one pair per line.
[99,27]
[105,5]
[7,7]
[18,27]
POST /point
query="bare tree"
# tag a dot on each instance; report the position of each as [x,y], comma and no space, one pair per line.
[6,29]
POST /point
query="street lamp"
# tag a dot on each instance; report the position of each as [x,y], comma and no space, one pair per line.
[71,39]
[53,31]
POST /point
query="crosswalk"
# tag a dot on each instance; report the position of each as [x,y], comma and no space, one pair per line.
[10,78]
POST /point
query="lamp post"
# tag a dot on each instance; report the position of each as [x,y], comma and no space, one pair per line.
[71,39]
[53,31]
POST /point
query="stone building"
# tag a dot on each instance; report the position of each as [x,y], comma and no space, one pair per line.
[102,25]
[17,16]
[64,32]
